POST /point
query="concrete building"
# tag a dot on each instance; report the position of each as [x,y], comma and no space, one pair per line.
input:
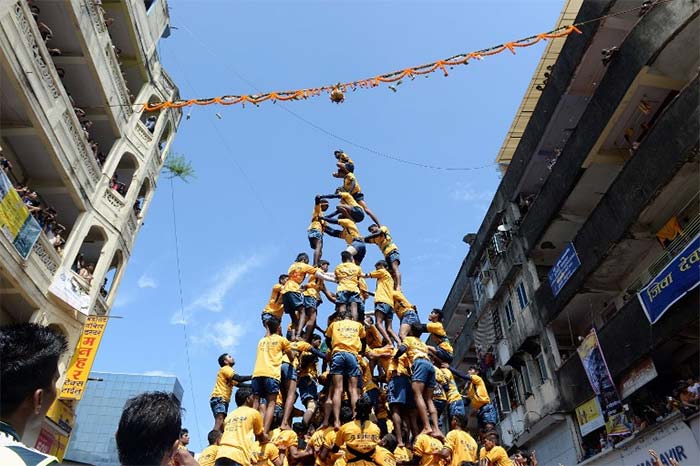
[99,411]
[603,171]
[72,75]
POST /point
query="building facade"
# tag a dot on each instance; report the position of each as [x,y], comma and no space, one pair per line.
[79,153]
[599,198]
[99,411]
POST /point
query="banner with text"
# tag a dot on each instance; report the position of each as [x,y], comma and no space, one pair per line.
[681,275]
[84,356]
[598,375]
[15,221]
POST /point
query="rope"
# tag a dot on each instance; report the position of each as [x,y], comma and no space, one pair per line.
[182,313]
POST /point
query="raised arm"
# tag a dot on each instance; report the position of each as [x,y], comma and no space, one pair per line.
[330,220]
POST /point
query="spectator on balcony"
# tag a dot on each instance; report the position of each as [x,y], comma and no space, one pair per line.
[29,372]
[137,206]
[56,238]
[5,164]
[151,123]
[87,271]
[79,263]
[688,401]
[101,158]
[31,201]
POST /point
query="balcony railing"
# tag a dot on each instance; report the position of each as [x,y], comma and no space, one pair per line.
[48,257]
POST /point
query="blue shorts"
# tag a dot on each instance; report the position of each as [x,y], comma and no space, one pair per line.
[345,364]
[357,214]
[265,386]
[361,250]
[288,372]
[292,300]
[393,256]
[358,197]
[313,235]
[385,309]
[373,396]
[457,408]
[424,372]
[399,391]
[311,302]
[443,355]
[218,406]
[440,406]
[347,297]
[410,318]
[486,415]
[349,166]
[307,389]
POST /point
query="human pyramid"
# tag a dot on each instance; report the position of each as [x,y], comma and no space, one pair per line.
[380,397]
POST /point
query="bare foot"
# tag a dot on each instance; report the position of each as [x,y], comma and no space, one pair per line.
[427,431]
[336,426]
[438,434]
[285,426]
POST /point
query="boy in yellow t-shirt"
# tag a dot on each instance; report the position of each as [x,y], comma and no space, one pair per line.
[241,426]
[406,312]
[429,449]
[348,206]
[347,294]
[268,370]
[459,445]
[350,234]
[494,454]
[208,455]
[274,307]
[443,351]
[380,236]
[312,299]
[384,301]
[316,228]
[226,379]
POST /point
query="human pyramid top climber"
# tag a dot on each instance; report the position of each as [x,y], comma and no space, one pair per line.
[367,367]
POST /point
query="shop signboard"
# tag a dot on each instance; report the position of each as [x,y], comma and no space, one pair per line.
[680,276]
[567,263]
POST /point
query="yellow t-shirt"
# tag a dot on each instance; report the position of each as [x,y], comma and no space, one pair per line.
[316,222]
[497,456]
[347,274]
[452,390]
[346,335]
[373,337]
[350,184]
[362,285]
[313,287]
[383,457]
[367,379]
[308,364]
[384,241]
[347,199]
[208,456]
[328,442]
[384,293]
[462,446]
[401,367]
[343,157]
[240,427]
[429,449]
[268,359]
[224,384]
[316,442]
[350,231]
[284,440]
[416,349]
[403,455]
[401,304]
[360,436]
[274,306]
[297,272]
[437,330]
[439,390]
[267,454]
[477,393]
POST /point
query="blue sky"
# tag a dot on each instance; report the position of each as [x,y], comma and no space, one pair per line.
[243,219]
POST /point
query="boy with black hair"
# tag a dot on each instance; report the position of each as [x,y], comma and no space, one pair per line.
[347,294]
[479,398]
[406,312]
[208,456]
[384,301]
[344,161]
[267,371]
[316,228]
[275,307]
[184,440]
[350,234]
[28,376]
[236,446]
[359,438]
[459,445]
[308,378]
[379,235]
[422,380]
[348,206]
[346,340]
[149,431]
[492,453]
[312,299]
[226,379]
[443,351]
[455,403]
[352,186]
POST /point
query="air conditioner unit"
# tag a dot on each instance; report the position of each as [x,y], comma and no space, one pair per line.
[484,275]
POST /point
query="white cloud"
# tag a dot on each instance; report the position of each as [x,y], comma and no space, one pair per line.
[224,334]
[159,373]
[468,194]
[146,281]
[212,298]
[122,299]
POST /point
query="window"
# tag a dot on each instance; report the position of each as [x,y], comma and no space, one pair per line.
[498,331]
[503,399]
[522,295]
[541,368]
[525,376]
[508,309]
[513,393]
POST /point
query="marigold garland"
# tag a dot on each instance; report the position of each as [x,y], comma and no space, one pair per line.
[337,91]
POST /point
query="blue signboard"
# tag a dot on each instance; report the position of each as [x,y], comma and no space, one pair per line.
[563,268]
[672,283]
